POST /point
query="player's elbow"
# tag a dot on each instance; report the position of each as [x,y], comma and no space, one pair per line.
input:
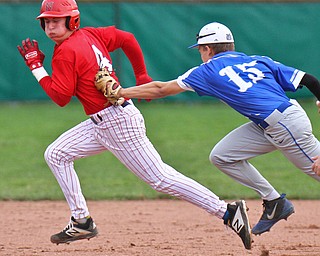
[62,101]
[61,104]
[164,89]
[162,92]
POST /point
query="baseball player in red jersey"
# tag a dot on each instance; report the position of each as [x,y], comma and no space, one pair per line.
[78,55]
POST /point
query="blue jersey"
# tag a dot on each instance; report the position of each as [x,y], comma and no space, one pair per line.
[253,85]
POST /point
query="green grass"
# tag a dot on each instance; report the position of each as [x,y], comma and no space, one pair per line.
[183,134]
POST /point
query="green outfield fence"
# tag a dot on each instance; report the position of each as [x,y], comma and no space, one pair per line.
[286,31]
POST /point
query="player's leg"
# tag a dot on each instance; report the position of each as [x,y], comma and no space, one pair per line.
[231,155]
[293,137]
[132,147]
[78,142]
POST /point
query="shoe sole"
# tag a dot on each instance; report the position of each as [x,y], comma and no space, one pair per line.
[75,238]
[244,209]
[269,224]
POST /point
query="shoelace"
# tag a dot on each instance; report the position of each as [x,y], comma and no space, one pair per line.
[264,206]
[69,226]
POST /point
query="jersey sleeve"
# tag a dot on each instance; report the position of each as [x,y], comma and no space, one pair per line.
[183,82]
[115,38]
[288,77]
[55,96]
[61,85]
[193,80]
[64,77]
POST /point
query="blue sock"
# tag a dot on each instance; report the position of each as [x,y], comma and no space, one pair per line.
[226,217]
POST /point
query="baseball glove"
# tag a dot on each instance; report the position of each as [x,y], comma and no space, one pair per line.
[110,88]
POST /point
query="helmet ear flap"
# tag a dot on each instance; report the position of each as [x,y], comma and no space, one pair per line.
[73,23]
[68,22]
[42,23]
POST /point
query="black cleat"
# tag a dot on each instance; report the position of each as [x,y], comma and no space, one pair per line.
[237,218]
[75,231]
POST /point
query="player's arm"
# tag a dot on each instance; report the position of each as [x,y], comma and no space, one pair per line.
[34,58]
[57,97]
[313,84]
[152,90]
[130,46]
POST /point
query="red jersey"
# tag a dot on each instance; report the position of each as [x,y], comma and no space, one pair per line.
[76,61]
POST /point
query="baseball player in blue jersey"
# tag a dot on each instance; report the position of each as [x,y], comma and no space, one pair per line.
[255,87]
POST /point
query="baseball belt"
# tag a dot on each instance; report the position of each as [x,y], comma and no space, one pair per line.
[275,116]
[96,118]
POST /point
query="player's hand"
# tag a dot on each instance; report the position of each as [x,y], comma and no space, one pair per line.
[31,53]
[143,79]
[316,165]
[318,105]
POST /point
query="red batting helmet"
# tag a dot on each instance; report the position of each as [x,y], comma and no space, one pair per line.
[60,8]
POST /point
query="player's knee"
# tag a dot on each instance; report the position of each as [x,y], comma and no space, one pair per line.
[52,155]
[162,183]
[221,159]
[159,185]
[47,154]
[216,158]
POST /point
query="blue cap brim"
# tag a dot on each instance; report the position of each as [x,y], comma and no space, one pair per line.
[194,45]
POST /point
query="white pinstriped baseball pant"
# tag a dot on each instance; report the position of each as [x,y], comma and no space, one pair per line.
[123,133]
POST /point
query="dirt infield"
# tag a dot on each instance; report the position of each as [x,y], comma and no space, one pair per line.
[153,228]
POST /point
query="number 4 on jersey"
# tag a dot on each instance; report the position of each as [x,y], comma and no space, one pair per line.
[102,61]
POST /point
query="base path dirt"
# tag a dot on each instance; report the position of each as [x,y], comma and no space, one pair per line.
[153,228]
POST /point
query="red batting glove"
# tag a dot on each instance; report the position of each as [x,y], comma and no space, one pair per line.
[31,54]
[143,79]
